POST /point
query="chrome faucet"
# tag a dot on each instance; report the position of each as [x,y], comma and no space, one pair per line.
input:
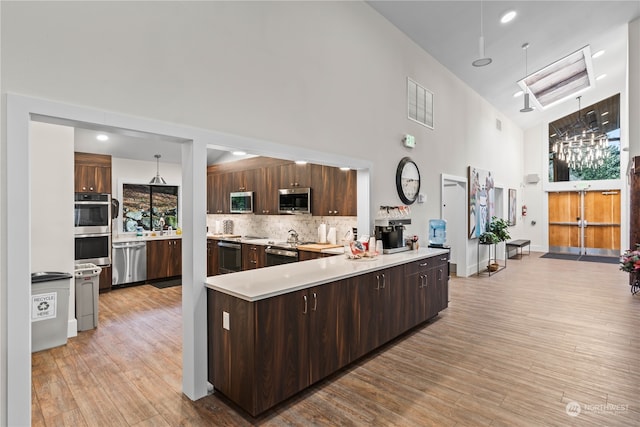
[293,236]
[161,224]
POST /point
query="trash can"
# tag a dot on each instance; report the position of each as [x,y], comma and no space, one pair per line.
[49,309]
[87,288]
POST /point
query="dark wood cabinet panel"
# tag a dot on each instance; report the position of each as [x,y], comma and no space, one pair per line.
[309,255]
[282,348]
[104,284]
[164,258]
[335,191]
[218,189]
[92,173]
[253,256]
[329,334]
[295,175]
[265,197]
[212,257]
[243,180]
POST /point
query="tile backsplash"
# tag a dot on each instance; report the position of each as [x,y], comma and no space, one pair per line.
[277,226]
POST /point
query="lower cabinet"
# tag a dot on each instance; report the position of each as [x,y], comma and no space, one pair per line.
[427,289]
[104,283]
[212,257]
[164,258]
[253,256]
[263,352]
[308,255]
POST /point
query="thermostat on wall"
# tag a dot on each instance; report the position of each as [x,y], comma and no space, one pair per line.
[409,141]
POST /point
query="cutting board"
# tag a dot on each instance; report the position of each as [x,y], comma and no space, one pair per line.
[317,247]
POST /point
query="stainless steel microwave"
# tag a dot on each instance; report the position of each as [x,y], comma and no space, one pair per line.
[241,202]
[294,201]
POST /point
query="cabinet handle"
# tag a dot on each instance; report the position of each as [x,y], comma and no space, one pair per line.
[377,282]
[443,259]
[439,274]
[423,265]
[91,188]
[305,304]
[384,281]
[421,281]
[315,301]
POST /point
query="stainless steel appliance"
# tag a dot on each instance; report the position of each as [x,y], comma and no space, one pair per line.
[294,201]
[229,257]
[241,202]
[129,263]
[94,248]
[277,255]
[92,213]
[390,231]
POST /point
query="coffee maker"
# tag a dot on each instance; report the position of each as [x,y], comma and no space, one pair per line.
[389,231]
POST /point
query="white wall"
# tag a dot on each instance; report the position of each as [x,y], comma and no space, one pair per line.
[52,179]
[338,86]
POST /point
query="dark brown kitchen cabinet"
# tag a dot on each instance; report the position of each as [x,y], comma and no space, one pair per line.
[427,289]
[265,197]
[218,188]
[308,255]
[104,281]
[243,180]
[335,191]
[294,175]
[92,173]
[291,340]
[253,256]
[212,257]
[164,258]
[376,309]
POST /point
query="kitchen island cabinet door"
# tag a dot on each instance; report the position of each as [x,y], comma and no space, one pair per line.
[282,348]
[329,334]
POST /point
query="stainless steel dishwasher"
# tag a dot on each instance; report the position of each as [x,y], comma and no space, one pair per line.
[129,263]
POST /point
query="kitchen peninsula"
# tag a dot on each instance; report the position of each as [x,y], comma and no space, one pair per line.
[273,332]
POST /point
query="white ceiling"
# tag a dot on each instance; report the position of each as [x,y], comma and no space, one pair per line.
[449,31]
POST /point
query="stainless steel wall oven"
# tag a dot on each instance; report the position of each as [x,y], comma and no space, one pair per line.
[92,213]
[94,248]
[229,257]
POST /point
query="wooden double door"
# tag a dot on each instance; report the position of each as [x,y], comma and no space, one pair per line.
[585,222]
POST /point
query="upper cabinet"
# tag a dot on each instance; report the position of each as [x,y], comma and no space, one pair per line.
[92,173]
[334,192]
[294,175]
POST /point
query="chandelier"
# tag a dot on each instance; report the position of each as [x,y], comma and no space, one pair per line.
[581,146]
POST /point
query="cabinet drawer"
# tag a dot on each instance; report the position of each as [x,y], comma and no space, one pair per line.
[421,265]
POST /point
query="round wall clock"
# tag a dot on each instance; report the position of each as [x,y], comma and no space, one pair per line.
[408,180]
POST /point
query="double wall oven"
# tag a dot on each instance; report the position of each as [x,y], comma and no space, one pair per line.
[92,224]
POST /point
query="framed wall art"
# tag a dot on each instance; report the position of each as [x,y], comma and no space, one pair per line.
[513,206]
[481,201]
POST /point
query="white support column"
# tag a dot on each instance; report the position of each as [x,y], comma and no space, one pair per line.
[194,269]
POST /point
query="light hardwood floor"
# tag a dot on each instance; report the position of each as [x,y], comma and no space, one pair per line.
[512,349]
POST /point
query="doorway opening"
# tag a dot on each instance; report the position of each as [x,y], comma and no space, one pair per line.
[453,209]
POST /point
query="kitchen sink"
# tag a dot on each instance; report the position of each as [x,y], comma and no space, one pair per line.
[287,244]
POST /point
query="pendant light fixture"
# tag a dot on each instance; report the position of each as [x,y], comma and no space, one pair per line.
[482,60]
[527,108]
[157,179]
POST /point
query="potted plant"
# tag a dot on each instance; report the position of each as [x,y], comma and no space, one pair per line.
[630,262]
[496,233]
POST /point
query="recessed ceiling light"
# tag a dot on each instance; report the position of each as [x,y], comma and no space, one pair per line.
[508,16]
[301,162]
[102,137]
[517,94]
[601,76]
[605,113]
[239,153]
[344,168]
[598,54]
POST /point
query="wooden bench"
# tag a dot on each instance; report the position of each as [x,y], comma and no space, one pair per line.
[518,244]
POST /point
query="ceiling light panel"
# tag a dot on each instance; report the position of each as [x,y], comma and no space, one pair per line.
[508,16]
[561,80]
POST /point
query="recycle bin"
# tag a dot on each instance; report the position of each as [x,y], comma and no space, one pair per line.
[87,288]
[49,309]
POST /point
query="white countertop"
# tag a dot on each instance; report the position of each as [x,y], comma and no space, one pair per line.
[254,285]
[120,238]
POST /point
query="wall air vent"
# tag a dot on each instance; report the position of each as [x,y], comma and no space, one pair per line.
[419,104]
